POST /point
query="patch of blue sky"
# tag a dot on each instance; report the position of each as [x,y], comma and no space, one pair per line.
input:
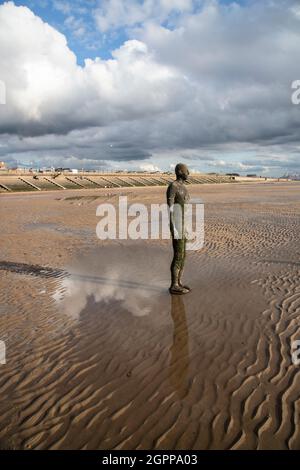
[76,20]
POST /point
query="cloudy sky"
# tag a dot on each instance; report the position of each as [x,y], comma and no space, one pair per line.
[143,84]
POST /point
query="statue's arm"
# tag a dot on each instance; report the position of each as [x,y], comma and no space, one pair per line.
[171,193]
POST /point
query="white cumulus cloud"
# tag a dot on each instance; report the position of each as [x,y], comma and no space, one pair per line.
[198,81]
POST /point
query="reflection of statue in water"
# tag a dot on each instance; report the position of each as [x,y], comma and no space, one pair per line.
[180,348]
[178,194]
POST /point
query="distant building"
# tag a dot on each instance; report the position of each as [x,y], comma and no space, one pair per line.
[3,166]
[295,177]
[60,170]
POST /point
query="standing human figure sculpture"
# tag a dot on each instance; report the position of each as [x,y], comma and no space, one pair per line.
[177,197]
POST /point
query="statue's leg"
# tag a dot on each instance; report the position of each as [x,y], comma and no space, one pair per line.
[182,261]
[175,268]
[175,263]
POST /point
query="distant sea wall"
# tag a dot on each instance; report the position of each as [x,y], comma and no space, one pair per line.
[12,182]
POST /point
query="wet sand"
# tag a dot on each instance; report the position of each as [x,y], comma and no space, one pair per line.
[100,356]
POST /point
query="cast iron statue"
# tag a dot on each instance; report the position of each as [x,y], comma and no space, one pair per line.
[177,194]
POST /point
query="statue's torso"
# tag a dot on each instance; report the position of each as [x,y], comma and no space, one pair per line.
[177,193]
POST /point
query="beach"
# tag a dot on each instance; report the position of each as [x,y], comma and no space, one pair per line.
[100,356]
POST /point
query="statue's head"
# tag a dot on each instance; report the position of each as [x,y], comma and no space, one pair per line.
[181,171]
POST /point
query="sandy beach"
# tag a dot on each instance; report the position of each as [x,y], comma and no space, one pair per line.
[100,356]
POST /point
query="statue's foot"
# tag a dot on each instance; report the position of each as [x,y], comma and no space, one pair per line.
[185,287]
[178,290]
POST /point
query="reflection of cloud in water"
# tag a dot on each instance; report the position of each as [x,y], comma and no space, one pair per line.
[135,276]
